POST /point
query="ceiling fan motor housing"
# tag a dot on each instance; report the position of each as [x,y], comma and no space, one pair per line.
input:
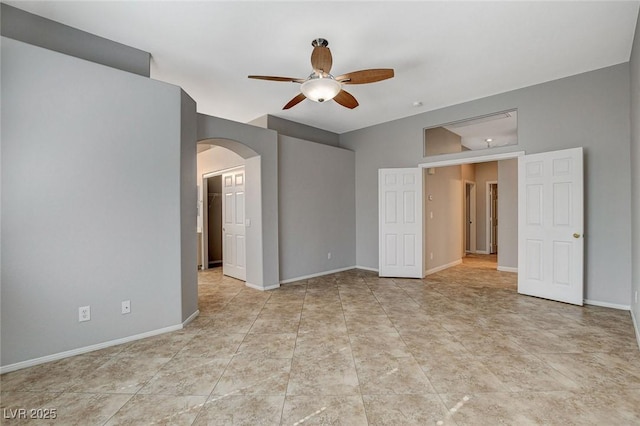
[319,42]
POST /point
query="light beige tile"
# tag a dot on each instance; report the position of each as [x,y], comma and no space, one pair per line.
[158,409]
[331,349]
[249,410]
[390,375]
[323,410]
[162,346]
[53,376]
[525,372]
[460,373]
[378,344]
[248,376]
[212,345]
[186,376]
[407,410]
[124,374]
[331,375]
[363,324]
[321,344]
[592,371]
[87,408]
[273,345]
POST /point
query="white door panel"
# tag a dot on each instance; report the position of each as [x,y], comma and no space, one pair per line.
[551,225]
[400,223]
[234,262]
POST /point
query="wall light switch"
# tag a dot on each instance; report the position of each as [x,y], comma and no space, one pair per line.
[126,307]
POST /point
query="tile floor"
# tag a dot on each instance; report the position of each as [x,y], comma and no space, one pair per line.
[460,347]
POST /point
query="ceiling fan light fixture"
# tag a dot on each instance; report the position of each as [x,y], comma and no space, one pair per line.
[320,89]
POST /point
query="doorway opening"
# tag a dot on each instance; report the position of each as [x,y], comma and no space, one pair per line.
[213,185]
[492,214]
[469,217]
[462,203]
[230,209]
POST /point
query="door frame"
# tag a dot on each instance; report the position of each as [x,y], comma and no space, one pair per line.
[489,223]
[471,218]
[205,212]
[473,159]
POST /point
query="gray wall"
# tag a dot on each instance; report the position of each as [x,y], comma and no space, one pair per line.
[317,207]
[635,179]
[33,29]
[300,131]
[264,142]
[188,203]
[589,110]
[508,213]
[81,221]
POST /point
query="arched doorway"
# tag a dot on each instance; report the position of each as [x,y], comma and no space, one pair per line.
[217,157]
[259,148]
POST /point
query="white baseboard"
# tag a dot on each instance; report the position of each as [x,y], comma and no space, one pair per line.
[191,317]
[636,325]
[607,305]
[319,274]
[79,351]
[507,269]
[257,287]
[366,268]
[481,252]
[443,267]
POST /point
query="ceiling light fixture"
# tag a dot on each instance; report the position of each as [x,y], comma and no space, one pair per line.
[320,88]
[488,140]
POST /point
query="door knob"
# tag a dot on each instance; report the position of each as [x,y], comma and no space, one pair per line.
[576,235]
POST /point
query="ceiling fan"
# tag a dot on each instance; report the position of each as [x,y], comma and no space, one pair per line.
[321,86]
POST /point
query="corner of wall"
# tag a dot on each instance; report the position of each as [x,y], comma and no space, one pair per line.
[188,200]
[634,75]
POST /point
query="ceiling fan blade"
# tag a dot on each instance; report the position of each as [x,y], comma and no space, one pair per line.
[366,76]
[346,99]
[295,101]
[321,60]
[271,78]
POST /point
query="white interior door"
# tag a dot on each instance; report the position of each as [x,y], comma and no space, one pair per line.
[551,225]
[400,224]
[233,224]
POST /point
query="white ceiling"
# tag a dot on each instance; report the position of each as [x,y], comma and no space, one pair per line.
[443,53]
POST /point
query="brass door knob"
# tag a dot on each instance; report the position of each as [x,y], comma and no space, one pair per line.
[576,235]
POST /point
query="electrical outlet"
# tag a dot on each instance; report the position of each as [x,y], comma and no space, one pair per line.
[126,307]
[329,255]
[84,313]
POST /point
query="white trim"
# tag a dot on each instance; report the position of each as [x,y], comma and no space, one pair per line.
[471,160]
[443,267]
[607,305]
[257,287]
[191,317]
[473,211]
[481,252]
[488,214]
[79,351]
[319,274]
[636,325]
[508,269]
[366,268]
